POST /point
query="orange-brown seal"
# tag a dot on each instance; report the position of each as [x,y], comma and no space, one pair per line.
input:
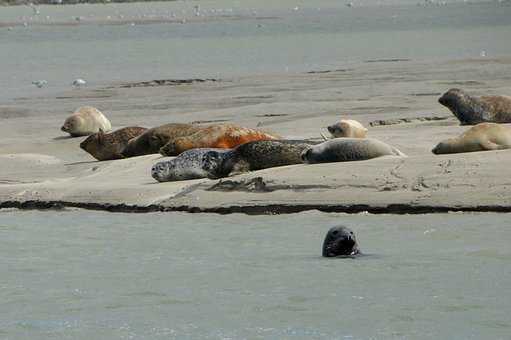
[153,139]
[474,110]
[103,146]
[482,137]
[223,136]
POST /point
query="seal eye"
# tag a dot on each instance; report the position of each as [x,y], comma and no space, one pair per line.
[335,232]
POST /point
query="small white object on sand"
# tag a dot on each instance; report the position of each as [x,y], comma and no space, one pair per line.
[39,83]
[79,82]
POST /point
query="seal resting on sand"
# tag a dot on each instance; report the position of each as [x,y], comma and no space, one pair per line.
[85,121]
[473,110]
[188,165]
[256,155]
[153,139]
[347,128]
[106,146]
[482,137]
[340,241]
[222,136]
[348,149]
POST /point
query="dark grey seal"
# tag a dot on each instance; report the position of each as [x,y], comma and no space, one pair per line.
[474,110]
[340,241]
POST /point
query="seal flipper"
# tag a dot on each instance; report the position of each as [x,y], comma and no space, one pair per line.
[218,164]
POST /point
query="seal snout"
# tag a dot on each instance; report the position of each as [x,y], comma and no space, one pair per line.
[305,155]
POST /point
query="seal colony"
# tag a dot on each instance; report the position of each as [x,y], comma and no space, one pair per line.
[222,150]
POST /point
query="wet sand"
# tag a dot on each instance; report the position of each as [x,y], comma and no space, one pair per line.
[40,165]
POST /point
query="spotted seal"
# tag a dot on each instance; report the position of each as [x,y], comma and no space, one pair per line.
[85,121]
[257,155]
[222,136]
[348,149]
[472,110]
[347,128]
[481,137]
[191,164]
[153,139]
[107,146]
[340,241]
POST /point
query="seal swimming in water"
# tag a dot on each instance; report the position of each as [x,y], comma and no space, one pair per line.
[348,149]
[85,121]
[481,137]
[340,241]
[347,128]
[256,155]
[222,136]
[188,165]
[106,146]
[153,139]
[473,110]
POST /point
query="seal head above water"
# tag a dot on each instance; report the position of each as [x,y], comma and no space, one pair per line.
[340,241]
[471,110]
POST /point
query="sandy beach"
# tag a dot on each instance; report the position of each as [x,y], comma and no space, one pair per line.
[41,167]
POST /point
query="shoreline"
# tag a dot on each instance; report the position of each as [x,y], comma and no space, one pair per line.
[42,169]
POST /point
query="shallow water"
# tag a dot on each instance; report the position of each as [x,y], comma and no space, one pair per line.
[234,39]
[82,275]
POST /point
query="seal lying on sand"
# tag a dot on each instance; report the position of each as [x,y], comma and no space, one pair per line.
[473,110]
[103,146]
[348,149]
[153,139]
[347,128]
[256,155]
[188,165]
[85,121]
[340,241]
[222,136]
[482,137]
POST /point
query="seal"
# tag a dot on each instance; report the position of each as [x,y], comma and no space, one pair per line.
[222,136]
[473,110]
[107,146]
[188,165]
[340,241]
[256,155]
[348,149]
[153,139]
[347,128]
[481,137]
[85,121]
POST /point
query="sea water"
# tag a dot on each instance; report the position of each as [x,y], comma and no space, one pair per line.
[84,275]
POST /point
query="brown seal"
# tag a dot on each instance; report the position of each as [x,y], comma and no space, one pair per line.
[473,110]
[223,136]
[85,121]
[482,137]
[106,146]
[153,139]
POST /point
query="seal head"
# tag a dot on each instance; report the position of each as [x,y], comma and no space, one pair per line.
[340,241]
[469,110]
